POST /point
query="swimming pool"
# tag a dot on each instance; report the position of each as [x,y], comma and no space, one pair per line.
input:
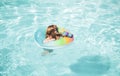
[94,23]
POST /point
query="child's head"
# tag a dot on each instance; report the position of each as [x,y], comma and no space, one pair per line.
[48,31]
[52,32]
[54,27]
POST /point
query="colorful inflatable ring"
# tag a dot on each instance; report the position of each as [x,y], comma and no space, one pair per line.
[40,36]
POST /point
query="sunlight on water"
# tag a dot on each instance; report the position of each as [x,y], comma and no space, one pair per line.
[94,23]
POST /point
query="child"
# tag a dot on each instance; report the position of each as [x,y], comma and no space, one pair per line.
[52,33]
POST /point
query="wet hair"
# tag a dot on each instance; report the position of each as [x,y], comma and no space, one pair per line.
[55,27]
[52,31]
[49,30]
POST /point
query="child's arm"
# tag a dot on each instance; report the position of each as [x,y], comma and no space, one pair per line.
[48,40]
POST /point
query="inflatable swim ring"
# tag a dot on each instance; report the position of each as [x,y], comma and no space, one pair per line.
[40,36]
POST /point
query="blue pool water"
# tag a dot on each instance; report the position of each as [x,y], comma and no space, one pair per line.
[94,23]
